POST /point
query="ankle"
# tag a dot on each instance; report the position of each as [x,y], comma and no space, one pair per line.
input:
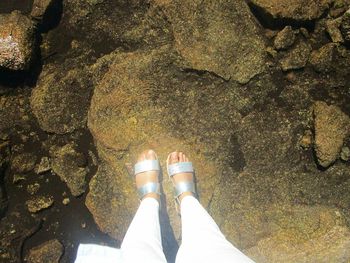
[183,195]
[152,195]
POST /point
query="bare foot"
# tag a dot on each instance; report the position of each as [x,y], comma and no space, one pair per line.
[176,157]
[149,176]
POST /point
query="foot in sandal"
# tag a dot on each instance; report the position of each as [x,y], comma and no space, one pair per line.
[147,175]
[181,171]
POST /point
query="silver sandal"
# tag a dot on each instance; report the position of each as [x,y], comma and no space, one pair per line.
[151,187]
[181,187]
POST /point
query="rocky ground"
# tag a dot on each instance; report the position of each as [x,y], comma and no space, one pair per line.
[256,92]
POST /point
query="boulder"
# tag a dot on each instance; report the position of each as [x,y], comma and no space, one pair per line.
[137,94]
[305,235]
[285,38]
[17,41]
[127,98]
[50,251]
[223,38]
[54,99]
[322,59]
[70,166]
[297,57]
[332,127]
[296,10]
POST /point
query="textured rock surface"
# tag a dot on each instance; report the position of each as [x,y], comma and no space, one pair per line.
[54,99]
[297,10]
[40,7]
[4,159]
[304,234]
[345,26]
[297,57]
[23,162]
[333,29]
[17,41]
[222,38]
[39,203]
[322,59]
[15,227]
[50,251]
[332,126]
[120,103]
[69,165]
[285,38]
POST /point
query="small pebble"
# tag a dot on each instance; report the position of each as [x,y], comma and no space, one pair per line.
[33,188]
[66,201]
[345,154]
[306,140]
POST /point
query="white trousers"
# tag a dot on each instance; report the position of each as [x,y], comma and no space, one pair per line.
[202,240]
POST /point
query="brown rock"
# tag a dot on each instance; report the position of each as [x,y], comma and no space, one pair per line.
[39,203]
[322,59]
[48,252]
[305,235]
[332,126]
[54,99]
[285,38]
[333,29]
[40,7]
[345,26]
[23,163]
[306,139]
[70,166]
[222,38]
[297,10]
[297,57]
[126,99]
[17,41]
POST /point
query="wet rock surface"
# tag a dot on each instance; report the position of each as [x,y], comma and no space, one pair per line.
[221,82]
[50,251]
[332,127]
[17,41]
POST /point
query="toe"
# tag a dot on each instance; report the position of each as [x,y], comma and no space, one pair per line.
[185,158]
[174,157]
[141,157]
[181,157]
[151,155]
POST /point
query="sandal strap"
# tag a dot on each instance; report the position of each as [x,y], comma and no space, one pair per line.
[182,187]
[181,167]
[148,188]
[146,165]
